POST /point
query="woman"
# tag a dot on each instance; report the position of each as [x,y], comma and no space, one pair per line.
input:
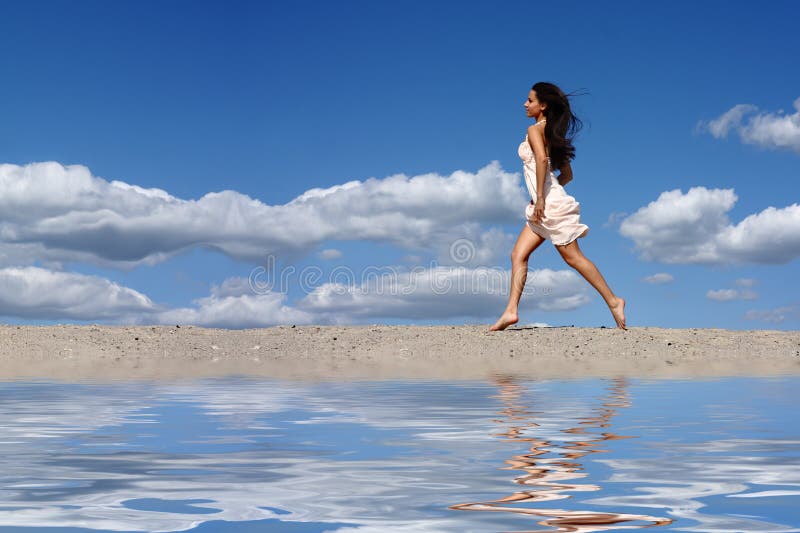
[556,214]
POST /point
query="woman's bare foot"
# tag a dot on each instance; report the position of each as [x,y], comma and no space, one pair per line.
[618,310]
[504,321]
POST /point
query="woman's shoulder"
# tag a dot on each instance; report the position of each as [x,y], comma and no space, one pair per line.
[536,129]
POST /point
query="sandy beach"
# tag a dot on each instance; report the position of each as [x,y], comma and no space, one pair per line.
[73,352]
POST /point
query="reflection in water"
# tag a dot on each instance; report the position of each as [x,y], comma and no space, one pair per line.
[550,474]
[238,455]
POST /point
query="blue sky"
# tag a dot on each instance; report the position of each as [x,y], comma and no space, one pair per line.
[386,132]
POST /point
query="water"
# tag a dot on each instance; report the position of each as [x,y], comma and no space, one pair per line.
[242,455]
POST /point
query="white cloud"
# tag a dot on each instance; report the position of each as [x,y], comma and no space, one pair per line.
[438,293]
[614,218]
[720,127]
[694,228]
[745,282]
[64,213]
[234,286]
[34,292]
[475,247]
[769,130]
[421,293]
[725,295]
[241,311]
[55,214]
[444,292]
[27,254]
[771,236]
[330,253]
[658,278]
[776,315]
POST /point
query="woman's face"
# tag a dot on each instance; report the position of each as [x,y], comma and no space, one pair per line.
[532,107]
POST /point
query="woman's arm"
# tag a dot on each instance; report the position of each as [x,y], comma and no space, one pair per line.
[566,173]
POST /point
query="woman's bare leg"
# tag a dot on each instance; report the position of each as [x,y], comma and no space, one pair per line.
[573,256]
[526,243]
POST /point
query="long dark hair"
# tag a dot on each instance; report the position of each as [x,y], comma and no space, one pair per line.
[561,125]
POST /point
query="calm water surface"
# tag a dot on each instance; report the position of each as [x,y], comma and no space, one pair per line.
[241,455]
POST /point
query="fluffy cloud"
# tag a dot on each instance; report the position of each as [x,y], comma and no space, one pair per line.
[38,293]
[330,253]
[421,293]
[776,315]
[476,247]
[721,126]
[613,218]
[725,295]
[659,278]
[234,311]
[438,293]
[64,213]
[52,214]
[444,292]
[34,292]
[769,130]
[694,228]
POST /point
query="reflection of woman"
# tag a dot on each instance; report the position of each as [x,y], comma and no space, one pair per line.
[550,476]
[555,215]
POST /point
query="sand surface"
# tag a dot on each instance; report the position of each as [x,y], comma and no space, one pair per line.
[387,352]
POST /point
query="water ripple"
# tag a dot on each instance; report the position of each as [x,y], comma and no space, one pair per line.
[580,456]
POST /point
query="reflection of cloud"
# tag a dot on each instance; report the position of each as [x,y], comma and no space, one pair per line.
[248,476]
[56,413]
[681,484]
[766,493]
[386,456]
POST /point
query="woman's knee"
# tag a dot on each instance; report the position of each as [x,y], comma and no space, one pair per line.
[518,256]
[571,255]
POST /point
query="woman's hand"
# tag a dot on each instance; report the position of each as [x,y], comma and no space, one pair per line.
[538,210]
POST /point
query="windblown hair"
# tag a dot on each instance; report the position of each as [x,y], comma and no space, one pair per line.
[561,125]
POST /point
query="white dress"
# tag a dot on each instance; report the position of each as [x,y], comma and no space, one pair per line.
[561,222]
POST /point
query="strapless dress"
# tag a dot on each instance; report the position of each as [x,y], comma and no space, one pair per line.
[561,222]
